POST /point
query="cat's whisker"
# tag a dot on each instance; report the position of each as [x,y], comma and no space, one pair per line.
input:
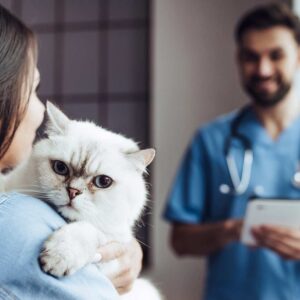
[140,223]
[144,244]
[32,184]
[148,206]
[31,188]
[147,211]
[29,191]
[34,193]
[150,225]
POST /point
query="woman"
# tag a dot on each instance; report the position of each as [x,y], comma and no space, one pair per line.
[26,222]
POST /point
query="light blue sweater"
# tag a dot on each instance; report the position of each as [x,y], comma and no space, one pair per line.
[25,223]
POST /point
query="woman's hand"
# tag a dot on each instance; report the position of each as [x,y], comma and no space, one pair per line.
[130,259]
[282,240]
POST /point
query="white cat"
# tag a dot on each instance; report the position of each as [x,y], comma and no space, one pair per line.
[94,179]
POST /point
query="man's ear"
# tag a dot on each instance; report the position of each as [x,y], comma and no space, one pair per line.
[57,120]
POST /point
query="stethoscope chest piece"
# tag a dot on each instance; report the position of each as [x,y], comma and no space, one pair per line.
[296,179]
[224,188]
[259,190]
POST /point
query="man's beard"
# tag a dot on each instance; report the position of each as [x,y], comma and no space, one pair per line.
[265,99]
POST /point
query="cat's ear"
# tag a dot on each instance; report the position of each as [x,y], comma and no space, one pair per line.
[58,121]
[142,158]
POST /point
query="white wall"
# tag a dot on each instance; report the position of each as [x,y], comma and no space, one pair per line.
[194,79]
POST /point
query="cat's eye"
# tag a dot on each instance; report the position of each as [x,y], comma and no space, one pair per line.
[60,167]
[102,181]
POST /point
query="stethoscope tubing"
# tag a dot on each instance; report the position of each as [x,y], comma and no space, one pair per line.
[241,183]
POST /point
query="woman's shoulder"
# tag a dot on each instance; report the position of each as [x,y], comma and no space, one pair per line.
[21,211]
[25,223]
[19,200]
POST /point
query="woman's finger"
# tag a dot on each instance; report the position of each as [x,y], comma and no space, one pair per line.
[112,250]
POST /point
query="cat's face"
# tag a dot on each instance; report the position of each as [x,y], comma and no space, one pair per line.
[89,173]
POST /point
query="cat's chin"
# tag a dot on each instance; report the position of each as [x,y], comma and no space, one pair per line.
[68,212]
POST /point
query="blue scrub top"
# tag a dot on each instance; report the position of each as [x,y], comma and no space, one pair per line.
[237,272]
[25,223]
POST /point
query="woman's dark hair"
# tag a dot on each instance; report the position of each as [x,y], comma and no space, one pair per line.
[18,54]
[266,16]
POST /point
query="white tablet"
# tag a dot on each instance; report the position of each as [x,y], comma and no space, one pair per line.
[270,211]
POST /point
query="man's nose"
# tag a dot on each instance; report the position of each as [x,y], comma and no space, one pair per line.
[73,192]
[265,67]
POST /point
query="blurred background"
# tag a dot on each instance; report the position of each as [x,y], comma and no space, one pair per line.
[153,70]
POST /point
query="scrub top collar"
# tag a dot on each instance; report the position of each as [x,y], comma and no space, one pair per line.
[251,127]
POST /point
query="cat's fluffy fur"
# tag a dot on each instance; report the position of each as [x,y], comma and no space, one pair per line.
[96,215]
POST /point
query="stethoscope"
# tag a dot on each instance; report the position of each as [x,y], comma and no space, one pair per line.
[241,183]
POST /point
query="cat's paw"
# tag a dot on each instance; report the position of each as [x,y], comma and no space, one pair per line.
[70,248]
[58,258]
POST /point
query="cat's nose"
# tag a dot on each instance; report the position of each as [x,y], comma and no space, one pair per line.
[73,192]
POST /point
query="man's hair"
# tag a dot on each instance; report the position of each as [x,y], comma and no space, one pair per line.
[266,16]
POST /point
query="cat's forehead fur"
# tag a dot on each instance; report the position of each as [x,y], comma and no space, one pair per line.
[60,125]
[88,131]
